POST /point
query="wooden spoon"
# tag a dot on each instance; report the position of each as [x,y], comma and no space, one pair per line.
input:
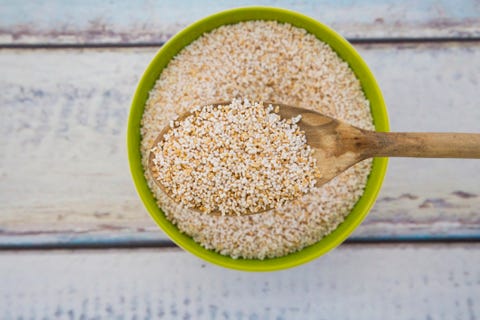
[338,145]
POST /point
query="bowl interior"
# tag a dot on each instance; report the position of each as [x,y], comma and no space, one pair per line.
[185,37]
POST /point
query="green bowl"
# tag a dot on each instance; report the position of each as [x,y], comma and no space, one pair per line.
[185,37]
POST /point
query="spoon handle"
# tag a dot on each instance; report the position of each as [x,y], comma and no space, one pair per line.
[425,145]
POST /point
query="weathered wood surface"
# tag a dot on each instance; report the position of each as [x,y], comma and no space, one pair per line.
[129,22]
[64,171]
[352,282]
[64,178]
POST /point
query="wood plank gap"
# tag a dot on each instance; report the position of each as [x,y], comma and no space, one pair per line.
[89,245]
[414,40]
[168,244]
[159,44]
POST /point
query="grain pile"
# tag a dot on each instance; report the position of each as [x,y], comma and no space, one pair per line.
[235,159]
[261,61]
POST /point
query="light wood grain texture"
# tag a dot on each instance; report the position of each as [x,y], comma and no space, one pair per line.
[353,282]
[82,22]
[64,171]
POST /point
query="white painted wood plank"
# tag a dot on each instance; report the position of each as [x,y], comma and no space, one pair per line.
[80,22]
[64,171]
[353,282]
[428,88]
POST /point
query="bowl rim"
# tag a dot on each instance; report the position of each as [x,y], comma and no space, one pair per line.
[174,45]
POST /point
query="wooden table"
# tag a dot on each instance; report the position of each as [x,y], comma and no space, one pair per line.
[76,242]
